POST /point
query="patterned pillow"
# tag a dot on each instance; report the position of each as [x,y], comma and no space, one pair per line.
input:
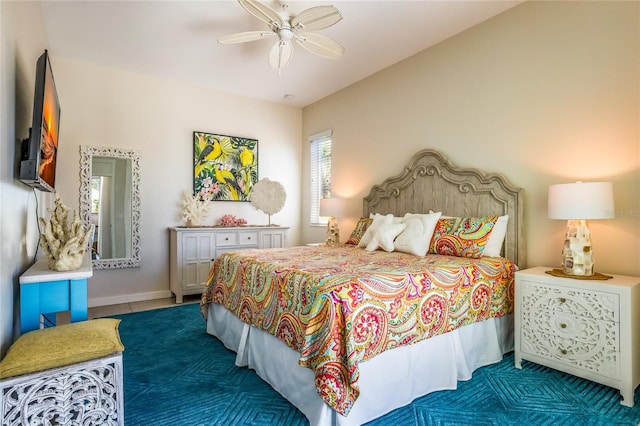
[462,237]
[359,230]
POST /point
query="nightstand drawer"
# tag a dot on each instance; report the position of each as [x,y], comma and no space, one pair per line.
[581,330]
[598,354]
[590,304]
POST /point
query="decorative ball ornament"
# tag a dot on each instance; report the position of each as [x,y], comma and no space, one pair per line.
[268,196]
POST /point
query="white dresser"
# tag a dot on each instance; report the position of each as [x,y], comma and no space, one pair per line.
[193,250]
[588,328]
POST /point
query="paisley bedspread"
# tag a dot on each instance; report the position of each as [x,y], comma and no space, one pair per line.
[341,305]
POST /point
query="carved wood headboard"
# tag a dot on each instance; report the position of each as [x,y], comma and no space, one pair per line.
[431,182]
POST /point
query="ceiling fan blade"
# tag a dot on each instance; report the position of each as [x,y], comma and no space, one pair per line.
[245,36]
[262,12]
[316,18]
[280,54]
[320,45]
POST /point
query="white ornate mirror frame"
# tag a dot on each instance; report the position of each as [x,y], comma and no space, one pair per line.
[86,156]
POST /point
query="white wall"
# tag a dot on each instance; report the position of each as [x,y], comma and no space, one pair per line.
[21,43]
[545,93]
[108,107]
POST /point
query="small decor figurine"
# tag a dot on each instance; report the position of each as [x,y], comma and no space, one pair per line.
[64,245]
[194,209]
[230,220]
[268,196]
[333,232]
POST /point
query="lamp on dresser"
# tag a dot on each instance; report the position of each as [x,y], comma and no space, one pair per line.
[577,202]
[332,208]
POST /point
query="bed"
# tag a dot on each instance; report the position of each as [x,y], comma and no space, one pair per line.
[348,333]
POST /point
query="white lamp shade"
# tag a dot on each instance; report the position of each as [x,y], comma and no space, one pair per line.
[332,207]
[581,200]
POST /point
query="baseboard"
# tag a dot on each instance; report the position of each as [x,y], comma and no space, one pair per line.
[137,297]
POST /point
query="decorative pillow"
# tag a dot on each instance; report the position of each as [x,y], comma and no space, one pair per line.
[416,237]
[496,237]
[462,237]
[383,236]
[359,230]
[378,221]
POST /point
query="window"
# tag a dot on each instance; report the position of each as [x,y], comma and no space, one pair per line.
[320,160]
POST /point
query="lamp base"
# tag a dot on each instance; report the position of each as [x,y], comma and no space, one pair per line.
[333,233]
[577,253]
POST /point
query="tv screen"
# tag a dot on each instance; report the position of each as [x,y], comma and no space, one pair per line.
[40,150]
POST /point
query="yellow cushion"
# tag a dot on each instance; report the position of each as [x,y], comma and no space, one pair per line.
[61,345]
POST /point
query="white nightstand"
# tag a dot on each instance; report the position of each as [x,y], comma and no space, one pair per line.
[588,328]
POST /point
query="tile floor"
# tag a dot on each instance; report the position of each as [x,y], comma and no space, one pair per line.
[126,308]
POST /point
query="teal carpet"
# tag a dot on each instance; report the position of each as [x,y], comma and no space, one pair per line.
[177,374]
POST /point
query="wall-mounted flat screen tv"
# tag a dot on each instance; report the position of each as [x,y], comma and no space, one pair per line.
[40,151]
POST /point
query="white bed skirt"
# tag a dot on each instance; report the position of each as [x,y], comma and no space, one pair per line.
[390,380]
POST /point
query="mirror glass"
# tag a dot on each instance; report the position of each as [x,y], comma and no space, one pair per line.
[110,202]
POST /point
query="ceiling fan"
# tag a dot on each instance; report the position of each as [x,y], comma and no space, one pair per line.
[289,27]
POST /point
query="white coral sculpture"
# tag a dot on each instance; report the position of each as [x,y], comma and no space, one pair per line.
[268,196]
[64,245]
[194,210]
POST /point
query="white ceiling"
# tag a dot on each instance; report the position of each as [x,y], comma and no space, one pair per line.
[178,40]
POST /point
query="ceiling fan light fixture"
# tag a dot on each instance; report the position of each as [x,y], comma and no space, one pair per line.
[288,27]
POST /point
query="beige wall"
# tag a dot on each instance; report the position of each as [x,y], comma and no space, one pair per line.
[107,107]
[22,41]
[545,93]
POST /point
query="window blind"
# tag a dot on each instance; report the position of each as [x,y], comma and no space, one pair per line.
[320,159]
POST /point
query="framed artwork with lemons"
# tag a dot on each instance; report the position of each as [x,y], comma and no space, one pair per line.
[225,168]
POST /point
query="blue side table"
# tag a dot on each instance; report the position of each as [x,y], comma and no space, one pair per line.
[46,292]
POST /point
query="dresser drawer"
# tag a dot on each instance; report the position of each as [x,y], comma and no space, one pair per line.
[224,239]
[248,239]
[537,297]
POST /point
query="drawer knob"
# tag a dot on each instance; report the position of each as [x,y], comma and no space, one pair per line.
[563,325]
[562,300]
[226,239]
[248,238]
[564,351]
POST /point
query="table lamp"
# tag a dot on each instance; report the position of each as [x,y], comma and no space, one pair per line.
[577,202]
[332,207]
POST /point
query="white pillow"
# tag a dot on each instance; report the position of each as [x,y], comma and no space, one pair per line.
[383,237]
[378,221]
[496,237]
[415,239]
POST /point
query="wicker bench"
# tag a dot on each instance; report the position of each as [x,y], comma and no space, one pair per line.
[69,374]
